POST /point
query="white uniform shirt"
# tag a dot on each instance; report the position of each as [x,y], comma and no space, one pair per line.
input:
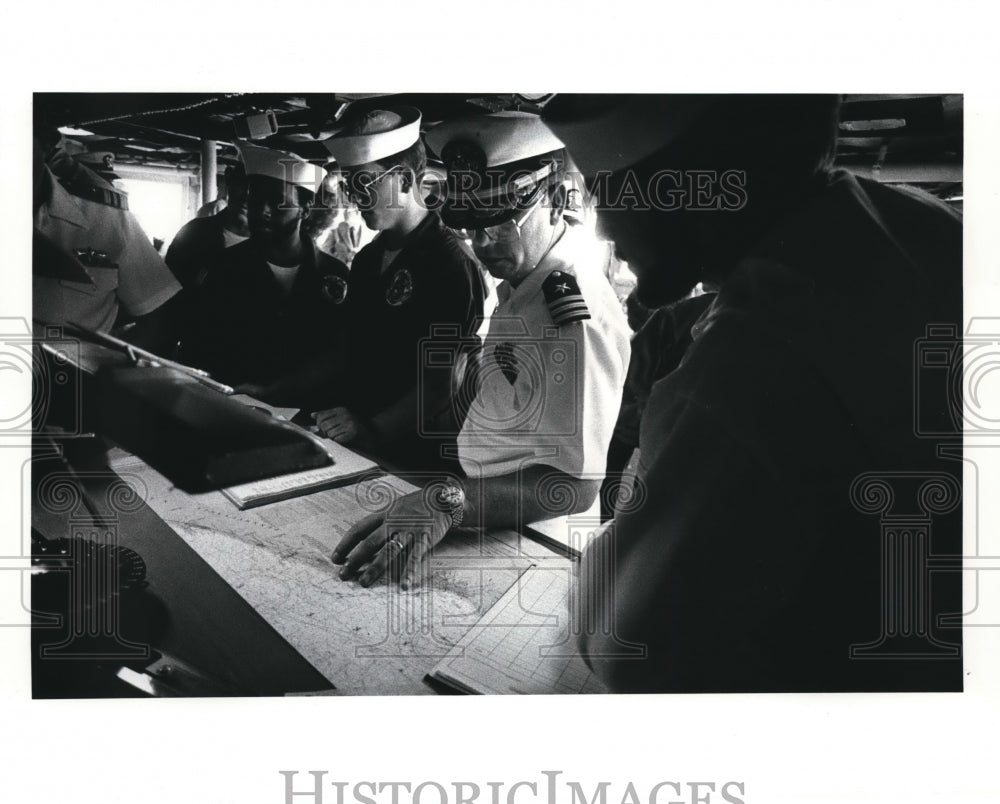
[133,274]
[549,394]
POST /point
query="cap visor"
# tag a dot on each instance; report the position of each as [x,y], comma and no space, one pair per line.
[459,216]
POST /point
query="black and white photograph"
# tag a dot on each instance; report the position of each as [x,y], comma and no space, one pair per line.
[627,443]
[426,351]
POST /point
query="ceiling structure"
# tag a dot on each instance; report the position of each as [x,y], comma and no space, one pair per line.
[894,138]
[915,139]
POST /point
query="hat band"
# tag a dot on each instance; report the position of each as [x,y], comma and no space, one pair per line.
[286,167]
[522,182]
[360,149]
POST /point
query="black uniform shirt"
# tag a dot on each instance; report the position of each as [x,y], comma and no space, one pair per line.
[195,250]
[433,284]
[246,329]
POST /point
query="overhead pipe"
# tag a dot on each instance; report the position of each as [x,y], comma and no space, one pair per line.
[907,173]
[209,167]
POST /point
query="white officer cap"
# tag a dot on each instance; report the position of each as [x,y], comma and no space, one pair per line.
[495,163]
[380,134]
[286,167]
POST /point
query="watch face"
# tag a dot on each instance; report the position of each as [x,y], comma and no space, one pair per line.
[450,496]
[451,500]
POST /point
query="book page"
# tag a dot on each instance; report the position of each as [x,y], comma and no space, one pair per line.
[523,645]
[347,467]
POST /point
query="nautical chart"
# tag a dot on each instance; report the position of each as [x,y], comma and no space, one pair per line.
[277,558]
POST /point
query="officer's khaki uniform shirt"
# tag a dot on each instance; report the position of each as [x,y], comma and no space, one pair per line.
[115,252]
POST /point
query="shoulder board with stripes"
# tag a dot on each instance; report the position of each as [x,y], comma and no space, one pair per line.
[99,195]
[563,297]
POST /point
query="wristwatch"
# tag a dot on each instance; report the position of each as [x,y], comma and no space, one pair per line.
[451,500]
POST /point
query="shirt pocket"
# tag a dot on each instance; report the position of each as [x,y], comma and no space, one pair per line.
[105,282]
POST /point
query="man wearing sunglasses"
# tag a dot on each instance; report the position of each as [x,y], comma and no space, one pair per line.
[415,279]
[535,439]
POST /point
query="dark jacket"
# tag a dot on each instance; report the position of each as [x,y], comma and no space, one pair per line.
[245,329]
[431,294]
[791,496]
[657,349]
[195,249]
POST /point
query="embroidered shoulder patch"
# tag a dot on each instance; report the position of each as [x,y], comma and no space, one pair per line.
[334,288]
[400,288]
[563,297]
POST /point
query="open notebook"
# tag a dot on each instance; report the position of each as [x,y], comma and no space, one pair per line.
[524,643]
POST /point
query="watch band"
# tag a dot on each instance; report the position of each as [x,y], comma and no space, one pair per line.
[450,499]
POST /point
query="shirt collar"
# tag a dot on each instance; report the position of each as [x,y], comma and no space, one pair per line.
[555,260]
[704,321]
[425,224]
[62,204]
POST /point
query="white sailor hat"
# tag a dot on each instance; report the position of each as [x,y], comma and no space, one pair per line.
[496,163]
[286,167]
[378,135]
[613,132]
